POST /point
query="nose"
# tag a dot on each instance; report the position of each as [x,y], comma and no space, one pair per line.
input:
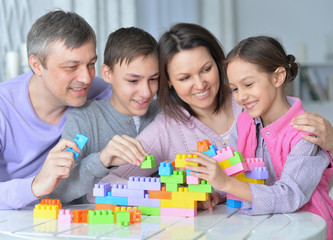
[145,90]
[200,83]
[241,95]
[86,75]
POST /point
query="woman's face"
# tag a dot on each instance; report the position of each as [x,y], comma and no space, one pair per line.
[195,77]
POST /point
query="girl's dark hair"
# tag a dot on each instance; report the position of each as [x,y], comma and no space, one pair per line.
[267,53]
[184,36]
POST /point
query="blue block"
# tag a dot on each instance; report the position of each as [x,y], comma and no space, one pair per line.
[212,151]
[234,203]
[109,199]
[165,169]
[80,140]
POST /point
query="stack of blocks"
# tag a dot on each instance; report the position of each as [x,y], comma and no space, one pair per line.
[174,193]
[251,170]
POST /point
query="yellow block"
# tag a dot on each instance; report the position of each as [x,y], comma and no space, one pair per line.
[224,164]
[241,176]
[46,211]
[177,203]
[184,194]
[181,163]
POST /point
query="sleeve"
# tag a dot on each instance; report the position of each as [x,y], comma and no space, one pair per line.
[16,193]
[301,174]
[88,168]
[152,140]
[99,89]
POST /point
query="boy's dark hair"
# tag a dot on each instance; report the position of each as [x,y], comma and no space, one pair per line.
[183,36]
[267,53]
[125,44]
[68,27]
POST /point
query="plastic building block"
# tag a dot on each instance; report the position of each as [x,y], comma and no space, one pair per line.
[109,199]
[123,218]
[163,194]
[237,158]
[146,201]
[224,154]
[211,151]
[233,197]
[121,190]
[100,217]
[184,194]
[165,169]
[257,173]
[135,215]
[46,211]
[65,216]
[179,212]
[172,187]
[180,160]
[149,162]
[242,177]
[101,206]
[101,189]
[236,169]
[80,140]
[224,164]
[234,203]
[151,211]
[145,183]
[192,180]
[80,216]
[204,186]
[178,203]
[254,162]
[176,177]
[49,201]
[203,145]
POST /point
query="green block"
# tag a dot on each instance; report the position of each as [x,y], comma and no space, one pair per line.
[178,177]
[100,216]
[237,158]
[151,211]
[149,162]
[204,186]
[171,187]
[123,218]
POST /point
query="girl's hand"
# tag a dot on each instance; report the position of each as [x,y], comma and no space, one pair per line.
[121,150]
[208,170]
[213,200]
[318,126]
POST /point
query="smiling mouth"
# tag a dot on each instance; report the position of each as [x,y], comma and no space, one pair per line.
[250,105]
[201,94]
[140,102]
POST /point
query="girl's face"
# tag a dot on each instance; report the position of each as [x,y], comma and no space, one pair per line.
[194,75]
[258,92]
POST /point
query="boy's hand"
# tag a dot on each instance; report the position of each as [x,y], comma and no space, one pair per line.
[318,126]
[121,150]
[57,166]
[208,170]
[213,200]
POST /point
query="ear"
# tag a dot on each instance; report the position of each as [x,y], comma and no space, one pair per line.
[279,76]
[106,73]
[35,65]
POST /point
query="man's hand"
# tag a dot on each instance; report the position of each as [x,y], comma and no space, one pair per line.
[57,166]
[121,150]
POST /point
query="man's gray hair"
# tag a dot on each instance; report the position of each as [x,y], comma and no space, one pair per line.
[67,27]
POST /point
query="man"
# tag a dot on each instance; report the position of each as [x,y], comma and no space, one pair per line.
[62,55]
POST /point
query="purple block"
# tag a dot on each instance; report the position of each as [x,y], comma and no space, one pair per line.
[144,202]
[121,190]
[257,173]
[101,189]
[144,183]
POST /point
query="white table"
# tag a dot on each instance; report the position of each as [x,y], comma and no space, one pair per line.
[222,223]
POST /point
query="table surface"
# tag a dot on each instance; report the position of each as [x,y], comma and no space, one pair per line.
[222,223]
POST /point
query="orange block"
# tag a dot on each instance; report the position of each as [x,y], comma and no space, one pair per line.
[50,201]
[102,206]
[80,216]
[203,145]
[163,194]
[135,215]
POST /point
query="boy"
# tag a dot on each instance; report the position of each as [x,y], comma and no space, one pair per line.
[131,66]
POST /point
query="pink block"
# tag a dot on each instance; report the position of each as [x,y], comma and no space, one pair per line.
[65,216]
[235,169]
[254,162]
[192,180]
[224,154]
[179,212]
[233,197]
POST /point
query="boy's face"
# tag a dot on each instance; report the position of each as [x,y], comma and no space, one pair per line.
[133,85]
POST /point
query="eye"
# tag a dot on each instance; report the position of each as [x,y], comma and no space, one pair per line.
[154,79]
[248,85]
[132,80]
[184,78]
[70,68]
[207,69]
[233,89]
[92,64]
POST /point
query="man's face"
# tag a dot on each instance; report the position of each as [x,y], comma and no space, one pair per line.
[68,74]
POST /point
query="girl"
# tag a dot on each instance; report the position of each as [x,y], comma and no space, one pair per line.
[258,70]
